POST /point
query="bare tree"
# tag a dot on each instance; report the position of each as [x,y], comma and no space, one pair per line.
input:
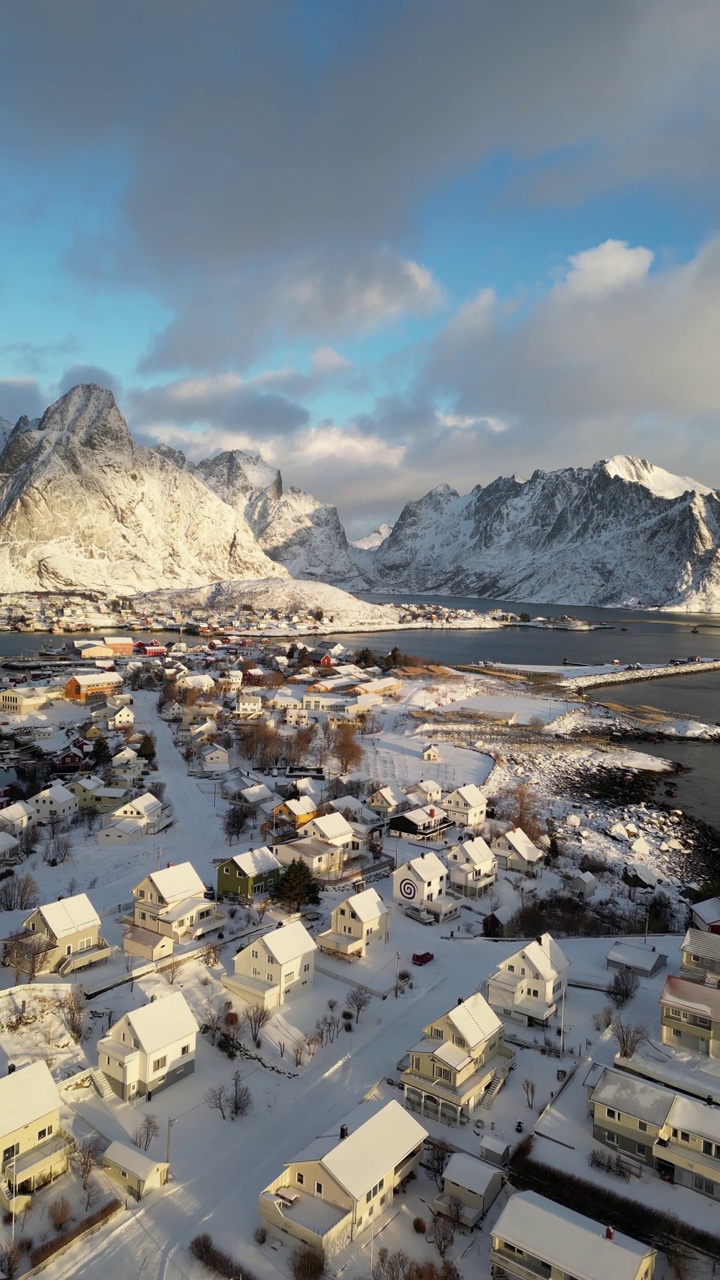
[149,1129]
[307,1263]
[257,1019]
[11,1252]
[298,1053]
[26,954]
[213,1014]
[358,999]
[443,1234]
[454,1210]
[210,954]
[218,1099]
[623,987]
[240,1096]
[85,1157]
[629,1036]
[92,1194]
[172,970]
[71,1008]
[60,1212]
[437,1154]
[529,1087]
[19,893]
[347,748]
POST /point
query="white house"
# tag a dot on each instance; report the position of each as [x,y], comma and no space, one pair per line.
[706,915]
[148,1049]
[387,801]
[270,969]
[472,868]
[55,803]
[528,986]
[466,806]
[430,791]
[356,923]
[332,827]
[248,706]
[473,1183]
[431,752]
[123,718]
[9,849]
[324,860]
[537,1237]
[214,758]
[420,881]
[514,851]
[143,816]
[17,817]
[169,906]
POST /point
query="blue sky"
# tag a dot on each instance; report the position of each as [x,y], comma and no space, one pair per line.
[385,244]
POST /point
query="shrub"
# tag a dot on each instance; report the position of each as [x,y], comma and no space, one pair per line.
[204,1250]
[46,1250]
[259,1235]
[307,1263]
[420,1225]
[348,1026]
[60,1212]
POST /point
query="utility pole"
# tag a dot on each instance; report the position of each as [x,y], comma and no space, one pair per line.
[562,1023]
[170,1123]
[397,974]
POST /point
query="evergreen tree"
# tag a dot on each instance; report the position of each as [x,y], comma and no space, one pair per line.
[100,753]
[146,750]
[296,887]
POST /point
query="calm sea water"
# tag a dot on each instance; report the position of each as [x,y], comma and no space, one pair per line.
[636,637]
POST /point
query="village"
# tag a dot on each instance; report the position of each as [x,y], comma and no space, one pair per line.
[312,962]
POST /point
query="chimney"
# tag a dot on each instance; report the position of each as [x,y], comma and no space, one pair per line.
[609,1233]
[11,1068]
[461,1000]
[343,1132]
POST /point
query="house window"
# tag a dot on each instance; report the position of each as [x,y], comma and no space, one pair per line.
[255,972]
[674,1013]
[42,1133]
[704,1022]
[300,1179]
[684,1137]
[641,1149]
[289,977]
[268,977]
[611,1138]
[9,1152]
[343,911]
[159,1063]
[306,968]
[185,1051]
[704,1184]
[611,1113]
[642,1126]
[318,1188]
[254,955]
[677,1033]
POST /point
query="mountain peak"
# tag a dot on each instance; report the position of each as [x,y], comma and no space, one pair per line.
[664,484]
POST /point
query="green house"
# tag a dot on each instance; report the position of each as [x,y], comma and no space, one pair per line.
[248,875]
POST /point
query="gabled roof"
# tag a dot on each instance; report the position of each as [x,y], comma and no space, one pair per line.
[367,905]
[332,826]
[468,1172]
[55,792]
[128,1157]
[696,942]
[469,792]
[289,943]
[161,1021]
[69,915]
[426,867]
[546,956]
[26,1095]
[89,678]
[256,861]
[522,844]
[707,911]
[20,809]
[633,1096]
[301,806]
[571,1241]
[477,851]
[181,881]
[373,1145]
[474,1020]
[693,996]
[145,804]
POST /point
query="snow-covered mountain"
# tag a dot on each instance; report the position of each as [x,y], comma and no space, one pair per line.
[620,532]
[82,505]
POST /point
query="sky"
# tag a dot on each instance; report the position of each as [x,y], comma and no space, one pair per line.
[387,244]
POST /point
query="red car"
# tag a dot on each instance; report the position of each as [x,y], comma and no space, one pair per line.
[422,957]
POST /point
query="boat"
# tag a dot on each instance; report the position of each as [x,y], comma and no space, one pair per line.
[694,631]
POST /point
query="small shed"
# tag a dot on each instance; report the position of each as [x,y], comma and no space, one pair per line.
[636,958]
[430,752]
[494,1149]
[584,884]
[495,923]
[137,1172]
[474,1183]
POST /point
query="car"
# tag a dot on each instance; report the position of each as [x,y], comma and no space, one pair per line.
[422,957]
[420,915]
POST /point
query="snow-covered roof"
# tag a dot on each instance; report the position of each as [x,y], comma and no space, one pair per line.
[567,1239]
[91,678]
[697,942]
[427,867]
[451,1054]
[181,881]
[693,996]
[69,915]
[470,792]
[423,815]
[25,1096]
[161,1022]
[367,905]
[373,1145]
[56,792]
[255,794]
[476,851]
[546,956]
[637,957]
[290,942]
[390,795]
[256,861]
[522,844]
[7,842]
[301,806]
[633,1096]
[332,826]
[707,911]
[128,1157]
[474,1020]
[15,812]
[695,1117]
[146,804]
[465,1171]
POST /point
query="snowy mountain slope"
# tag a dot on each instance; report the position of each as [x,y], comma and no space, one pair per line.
[372,541]
[286,595]
[82,505]
[618,532]
[292,527]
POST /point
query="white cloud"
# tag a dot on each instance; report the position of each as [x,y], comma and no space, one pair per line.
[611,265]
[465,421]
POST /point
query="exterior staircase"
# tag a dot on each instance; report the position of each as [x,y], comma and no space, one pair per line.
[492,1091]
[102,1084]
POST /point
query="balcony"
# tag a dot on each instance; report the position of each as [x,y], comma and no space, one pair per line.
[517,1265]
[311,1214]
[82,959]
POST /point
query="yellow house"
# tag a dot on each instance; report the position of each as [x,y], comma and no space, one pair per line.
[355,924]
[68,937]
[536,1237]
[460,1064]
[33,1145]
[344,1180]
[274,967]
[690,1017]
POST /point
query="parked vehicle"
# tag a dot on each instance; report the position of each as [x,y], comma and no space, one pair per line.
[422,957]
[420,914]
